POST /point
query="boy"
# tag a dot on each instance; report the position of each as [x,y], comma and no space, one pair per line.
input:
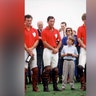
[69,53]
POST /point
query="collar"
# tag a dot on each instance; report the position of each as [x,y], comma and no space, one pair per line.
[25,27]
[50,28]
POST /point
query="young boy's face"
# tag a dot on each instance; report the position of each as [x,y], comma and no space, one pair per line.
[69,42]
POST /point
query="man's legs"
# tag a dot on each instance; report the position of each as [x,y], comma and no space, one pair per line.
[34,68]
[40,63]
[35,79]
[54,78]
[81,68]
[25,68]
[47,68]
[55,71]
[45,77]
[82,77]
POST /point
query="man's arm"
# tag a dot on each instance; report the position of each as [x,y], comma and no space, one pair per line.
[59,45]
[47,45]
[35,45]
[27,49]
[81,43]
[54,50]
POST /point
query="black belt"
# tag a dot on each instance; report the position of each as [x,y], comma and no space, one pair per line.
[69,59]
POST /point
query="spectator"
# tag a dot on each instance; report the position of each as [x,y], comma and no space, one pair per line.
[40,48]
[62,29]
[60,60]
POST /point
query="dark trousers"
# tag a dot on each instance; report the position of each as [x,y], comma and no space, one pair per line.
[40,63]
[60,65]
[60,62]
[76,65]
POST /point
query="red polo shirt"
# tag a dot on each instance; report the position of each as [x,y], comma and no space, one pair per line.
[81,33]
[51,36]
[31,37]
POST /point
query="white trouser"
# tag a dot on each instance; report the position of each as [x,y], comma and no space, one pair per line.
[49,58]
[82,57]
[34,61]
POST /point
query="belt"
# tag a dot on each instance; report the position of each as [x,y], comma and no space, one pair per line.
[69,59]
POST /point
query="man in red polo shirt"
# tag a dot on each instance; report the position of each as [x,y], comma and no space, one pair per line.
[81,34]
[52,42]
[31,42]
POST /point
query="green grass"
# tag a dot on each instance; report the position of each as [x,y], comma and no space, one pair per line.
[66,92]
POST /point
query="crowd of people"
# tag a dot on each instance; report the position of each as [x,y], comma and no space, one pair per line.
[57,55]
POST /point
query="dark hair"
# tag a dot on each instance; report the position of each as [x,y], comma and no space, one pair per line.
[68,28]
[84,16]
[28,16]
[50,17]
[64,23]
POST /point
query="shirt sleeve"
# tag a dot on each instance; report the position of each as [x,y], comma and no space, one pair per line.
[62,51]
[76,52]
[59,37]
[43,35]
[79,33]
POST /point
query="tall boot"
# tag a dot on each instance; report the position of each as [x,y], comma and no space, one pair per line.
[54,79]
[35,79]
[45,78]
[83,83]
[82,77]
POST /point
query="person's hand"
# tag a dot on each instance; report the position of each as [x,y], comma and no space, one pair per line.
[30,53]
[40,37]
[84,47]
[55,50]
[73,55]
[69,54]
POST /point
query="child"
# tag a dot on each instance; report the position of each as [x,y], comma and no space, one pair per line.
[69,53]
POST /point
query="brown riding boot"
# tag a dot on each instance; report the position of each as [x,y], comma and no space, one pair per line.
[83,83]
[45,78]
[35,79]
[54,79]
